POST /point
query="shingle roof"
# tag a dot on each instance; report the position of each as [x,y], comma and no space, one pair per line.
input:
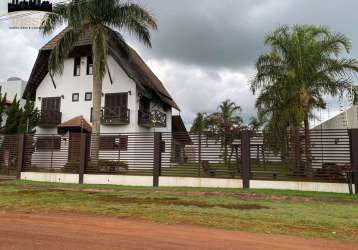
[76,122]
[131,63]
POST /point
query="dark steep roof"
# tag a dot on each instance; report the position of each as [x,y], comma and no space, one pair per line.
[130,62]
[180,133]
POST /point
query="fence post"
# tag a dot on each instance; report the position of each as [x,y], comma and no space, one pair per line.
[157,158]
[83,157]
[20,155]
[353,138]
[199,152]
[245,158]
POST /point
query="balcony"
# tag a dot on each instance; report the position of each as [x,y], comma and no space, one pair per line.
[154,119]
[115,116]
[49,118]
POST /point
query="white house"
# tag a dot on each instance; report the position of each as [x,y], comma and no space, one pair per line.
[346,119]
[134,99]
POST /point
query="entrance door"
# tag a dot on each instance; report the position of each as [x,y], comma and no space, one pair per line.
[74,147]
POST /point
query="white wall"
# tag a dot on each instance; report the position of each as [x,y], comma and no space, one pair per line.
[147,181]
[67,84]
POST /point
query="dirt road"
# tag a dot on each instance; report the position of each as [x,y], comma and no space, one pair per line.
[68,231]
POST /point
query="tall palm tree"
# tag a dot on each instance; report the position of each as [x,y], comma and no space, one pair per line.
[304,63]
[99,17]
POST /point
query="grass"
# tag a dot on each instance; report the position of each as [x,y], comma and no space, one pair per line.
[306,214]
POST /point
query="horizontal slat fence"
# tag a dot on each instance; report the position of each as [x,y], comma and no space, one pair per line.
[327,157]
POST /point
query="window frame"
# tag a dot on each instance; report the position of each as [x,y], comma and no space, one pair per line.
[77,65]
[89,66]
[73,97]
[88,99]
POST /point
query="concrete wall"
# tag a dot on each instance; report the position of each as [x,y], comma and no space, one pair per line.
[199,182]
[301,186]
[50,177]
[143,181]
[147,181]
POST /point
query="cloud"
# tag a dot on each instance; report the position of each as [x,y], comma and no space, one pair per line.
[202,90]
[204,50]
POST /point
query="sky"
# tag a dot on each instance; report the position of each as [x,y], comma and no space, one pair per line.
[204,51]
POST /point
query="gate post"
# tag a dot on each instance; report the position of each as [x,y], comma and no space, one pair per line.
[157,162]
[20,155]
[83,157]
[353,138]
[245,158]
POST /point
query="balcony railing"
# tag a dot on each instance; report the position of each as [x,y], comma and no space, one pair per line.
[144,119]
[115,115]
[49,118]
[155,118]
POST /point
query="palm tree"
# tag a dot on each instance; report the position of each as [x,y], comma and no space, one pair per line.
[304,64]
[97,17]
[226,120]
[199,123]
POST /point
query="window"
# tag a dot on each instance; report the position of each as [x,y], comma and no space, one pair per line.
[77,67]
[75,97]
[89,65]
[51,104]
[113,143]
[88,96]
[48,143]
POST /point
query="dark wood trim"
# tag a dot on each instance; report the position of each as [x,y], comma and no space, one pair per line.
[245,158]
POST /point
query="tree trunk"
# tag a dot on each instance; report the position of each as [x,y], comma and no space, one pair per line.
[96,114]
[308,155]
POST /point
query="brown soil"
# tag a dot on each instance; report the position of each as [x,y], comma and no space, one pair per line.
[71,231]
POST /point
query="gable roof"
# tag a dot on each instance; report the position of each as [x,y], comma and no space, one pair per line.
[130,62]
[180,133]
[77,122]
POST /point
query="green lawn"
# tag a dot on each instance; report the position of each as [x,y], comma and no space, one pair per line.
[304,214]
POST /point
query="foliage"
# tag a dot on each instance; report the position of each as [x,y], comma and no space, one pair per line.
[13,114]
[29,118]
[303,65]
[199,123]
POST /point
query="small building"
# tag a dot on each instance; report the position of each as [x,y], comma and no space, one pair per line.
[346,119]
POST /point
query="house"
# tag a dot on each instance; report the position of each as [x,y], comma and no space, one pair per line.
[346,119]
[134,100]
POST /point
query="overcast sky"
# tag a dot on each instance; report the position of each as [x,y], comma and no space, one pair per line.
[204,50]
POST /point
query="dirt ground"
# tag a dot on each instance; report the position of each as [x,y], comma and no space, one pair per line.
[70,231]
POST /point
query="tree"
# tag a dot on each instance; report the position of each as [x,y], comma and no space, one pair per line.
[97,17]
[13,115]
[224,122]
[2,108]
[29,118]
[304,65]
[199,123]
